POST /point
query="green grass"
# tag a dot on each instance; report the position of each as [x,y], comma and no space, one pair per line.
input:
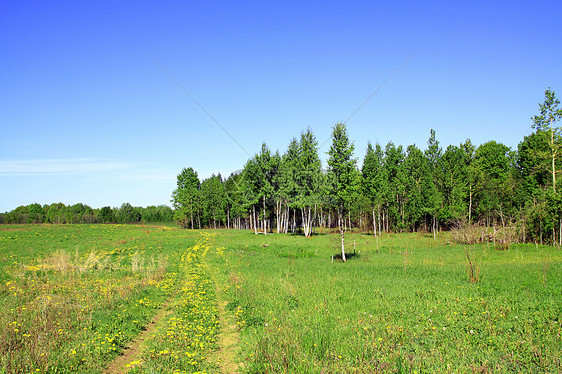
[409,307]
[74,296]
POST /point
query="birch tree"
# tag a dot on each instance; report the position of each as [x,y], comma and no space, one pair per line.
[185,198]
[373,177]
[213,200]
[287,193]
[544,124]
[343,175]
[257,185]
[307,179]
[416,175]
[433,154]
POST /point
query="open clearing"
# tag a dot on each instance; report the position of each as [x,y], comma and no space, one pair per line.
[75,297]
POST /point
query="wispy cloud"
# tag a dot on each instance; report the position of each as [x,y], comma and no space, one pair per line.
[149,175]
[60,166]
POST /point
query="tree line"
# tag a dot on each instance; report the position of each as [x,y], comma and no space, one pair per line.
[396,188]
[81,213]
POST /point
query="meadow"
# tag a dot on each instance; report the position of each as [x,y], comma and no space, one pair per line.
[75,297]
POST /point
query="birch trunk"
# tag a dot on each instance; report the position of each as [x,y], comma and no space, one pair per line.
[264,222]
[374,224]
[470,206]
[255,221]
[434,238]
[342,218]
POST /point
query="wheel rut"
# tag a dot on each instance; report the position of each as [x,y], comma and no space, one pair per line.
[132,356]
[228,342]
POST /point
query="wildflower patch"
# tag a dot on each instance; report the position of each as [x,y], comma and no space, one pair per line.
[190,332]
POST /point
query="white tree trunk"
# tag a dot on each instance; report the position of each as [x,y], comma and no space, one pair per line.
[264,223]
[374,224]
[342,223]
[255,221]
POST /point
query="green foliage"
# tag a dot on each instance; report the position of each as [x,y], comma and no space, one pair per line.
[373,175]
[106,215]
[343,176]
[186,198]
[456,184]
[127,214]
[550,113]
[399,188]
[417,181]
[394,194]
[492,162]
[213,201]
[258,177]
[531,164]
[307,171]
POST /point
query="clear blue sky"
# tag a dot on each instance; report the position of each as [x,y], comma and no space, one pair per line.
[87,116]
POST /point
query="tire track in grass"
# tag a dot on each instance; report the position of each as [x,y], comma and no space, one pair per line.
[189,336]
[229,336]
[229,339]
[132,356]
[192,332]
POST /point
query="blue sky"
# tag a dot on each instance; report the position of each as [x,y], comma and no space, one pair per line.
[87,115]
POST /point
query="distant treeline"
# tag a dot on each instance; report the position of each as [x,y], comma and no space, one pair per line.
[396,189]
[81,213]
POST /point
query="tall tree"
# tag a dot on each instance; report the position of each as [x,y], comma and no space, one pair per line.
[287,194]
[455,183]
[234,200]
[433,154]
[307,179]
[373,179]
[185,197]
[213,198]
[394,193]
[531,164]
[416,179]
[493,165]
[258,176]
[550,113]
[344,181]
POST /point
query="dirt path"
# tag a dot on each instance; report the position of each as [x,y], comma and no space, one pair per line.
[228,342]
[132,355]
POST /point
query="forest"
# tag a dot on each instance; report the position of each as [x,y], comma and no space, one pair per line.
[82,213]
[396,189]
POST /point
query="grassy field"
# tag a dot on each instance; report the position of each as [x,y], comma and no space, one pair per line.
[74,297]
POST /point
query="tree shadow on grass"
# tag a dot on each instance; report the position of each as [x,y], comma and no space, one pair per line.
[348,256]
